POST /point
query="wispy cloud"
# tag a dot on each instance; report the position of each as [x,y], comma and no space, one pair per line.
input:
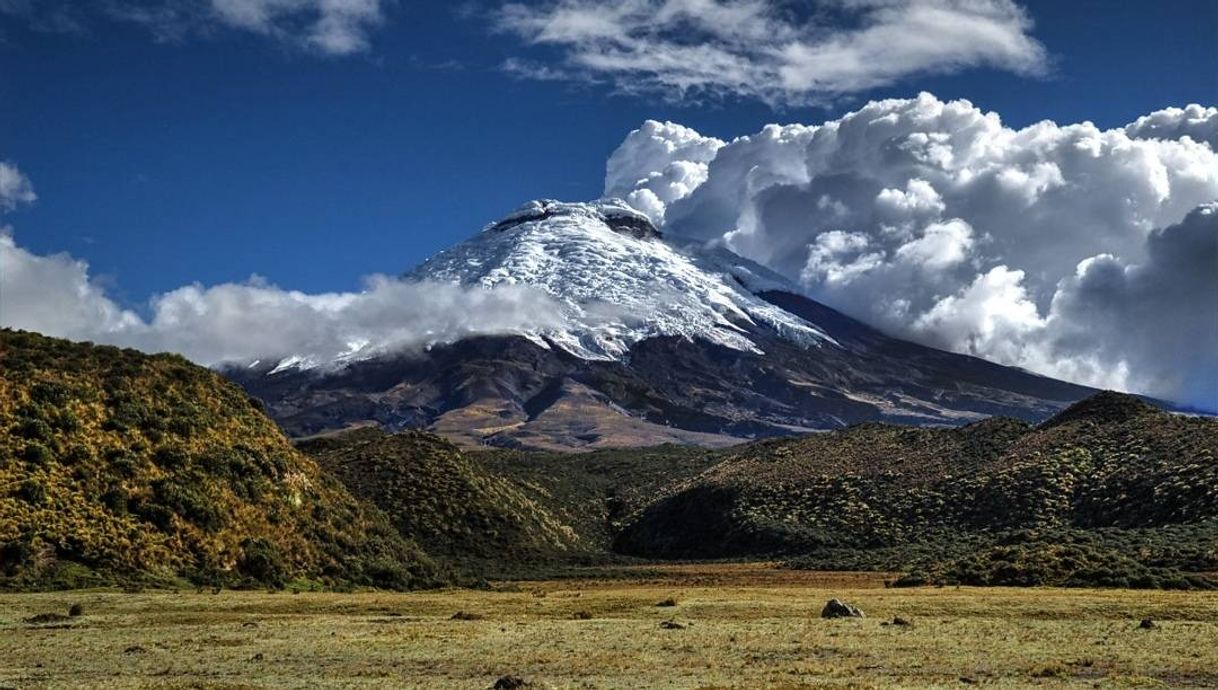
[765,49]
[326,27]
[15,187]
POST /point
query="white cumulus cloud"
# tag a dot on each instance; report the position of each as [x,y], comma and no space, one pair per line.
[769,50]
[1194,121]
[936,222]
[672,158]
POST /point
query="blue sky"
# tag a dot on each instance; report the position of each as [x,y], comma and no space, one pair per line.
[210,158]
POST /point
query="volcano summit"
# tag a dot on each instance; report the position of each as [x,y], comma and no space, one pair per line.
[651,340]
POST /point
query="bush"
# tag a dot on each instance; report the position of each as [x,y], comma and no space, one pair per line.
[35,430]
[67,421]
[116,501]
[14,556]
[190,500]
[33,491]
[36,453]
[171,457]
[78,454]
[262,562]
[50,393]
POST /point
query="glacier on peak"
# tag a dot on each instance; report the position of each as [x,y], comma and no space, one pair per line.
[617,281]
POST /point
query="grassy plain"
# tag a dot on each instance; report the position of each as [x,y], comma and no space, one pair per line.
[746,626]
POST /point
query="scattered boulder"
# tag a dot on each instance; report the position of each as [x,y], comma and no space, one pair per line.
[672,625]
[1146,624]
[76,610]
[897,620]
[836,608]
[135,649]
[581,616]
[510,683]
[466,616]
[667,602]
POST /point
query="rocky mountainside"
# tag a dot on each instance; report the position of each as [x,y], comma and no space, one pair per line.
[653,342]
[119,467]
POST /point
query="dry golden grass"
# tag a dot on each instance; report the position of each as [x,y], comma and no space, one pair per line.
[748,627]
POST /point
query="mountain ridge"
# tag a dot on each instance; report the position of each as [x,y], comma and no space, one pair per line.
[653,342]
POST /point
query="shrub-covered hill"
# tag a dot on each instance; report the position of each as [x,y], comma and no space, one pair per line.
[1111,492]
[1111,461]
[117,467]
[435,495]
[500,512]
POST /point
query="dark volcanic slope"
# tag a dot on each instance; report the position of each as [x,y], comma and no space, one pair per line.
[511,392]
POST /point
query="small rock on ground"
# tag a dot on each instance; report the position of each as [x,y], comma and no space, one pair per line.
[836,608]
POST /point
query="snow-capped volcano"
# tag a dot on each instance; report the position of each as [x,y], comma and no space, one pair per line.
[644,341]
[618,282]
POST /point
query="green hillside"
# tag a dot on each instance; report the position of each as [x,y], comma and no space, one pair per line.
[1109,484]
[118,467]
[500,512]
[437,496]
[1110,492]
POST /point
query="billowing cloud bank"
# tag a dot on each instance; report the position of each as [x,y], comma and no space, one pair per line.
[244,322]
[1087,254]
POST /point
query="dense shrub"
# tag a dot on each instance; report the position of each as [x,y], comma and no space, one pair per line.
[34,430]
[33,491]
[262,562]
[36,453]
[1055,564]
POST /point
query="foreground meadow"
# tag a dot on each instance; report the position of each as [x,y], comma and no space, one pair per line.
[738,626]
